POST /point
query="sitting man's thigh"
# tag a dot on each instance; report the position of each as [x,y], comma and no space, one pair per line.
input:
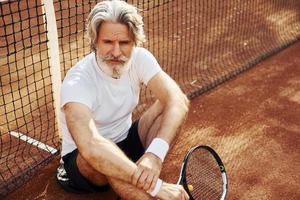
[82,176]
[89,172]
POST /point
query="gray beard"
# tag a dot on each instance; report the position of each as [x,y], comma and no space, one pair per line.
[114,71]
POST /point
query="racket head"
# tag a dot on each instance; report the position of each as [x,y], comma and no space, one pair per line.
[203,174]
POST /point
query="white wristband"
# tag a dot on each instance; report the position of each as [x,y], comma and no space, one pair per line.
[158,147]
[156,189]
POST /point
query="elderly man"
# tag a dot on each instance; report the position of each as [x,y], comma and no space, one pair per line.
[101,145]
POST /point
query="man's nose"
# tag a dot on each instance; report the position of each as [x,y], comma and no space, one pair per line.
[116,51]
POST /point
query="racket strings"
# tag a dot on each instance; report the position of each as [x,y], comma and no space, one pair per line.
[204,175]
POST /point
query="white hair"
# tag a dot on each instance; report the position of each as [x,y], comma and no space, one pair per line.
[115,11]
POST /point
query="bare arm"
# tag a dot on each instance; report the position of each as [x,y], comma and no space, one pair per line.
[102,154]
[175,104]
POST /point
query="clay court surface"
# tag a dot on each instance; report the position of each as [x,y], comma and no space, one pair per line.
[253,122]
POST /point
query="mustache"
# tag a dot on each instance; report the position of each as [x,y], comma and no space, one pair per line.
[111,57]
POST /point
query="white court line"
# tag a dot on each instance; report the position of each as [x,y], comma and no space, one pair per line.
[34,142]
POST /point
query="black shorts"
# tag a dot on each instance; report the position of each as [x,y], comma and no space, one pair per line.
[131,146]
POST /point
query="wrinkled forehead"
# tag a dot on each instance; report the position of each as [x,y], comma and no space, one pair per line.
[114,31]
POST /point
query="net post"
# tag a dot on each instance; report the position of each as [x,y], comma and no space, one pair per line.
[54,61]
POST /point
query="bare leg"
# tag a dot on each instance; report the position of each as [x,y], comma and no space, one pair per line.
[125,190]
[150,122]
[89,172]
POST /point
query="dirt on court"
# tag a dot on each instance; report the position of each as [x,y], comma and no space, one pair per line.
[253,122]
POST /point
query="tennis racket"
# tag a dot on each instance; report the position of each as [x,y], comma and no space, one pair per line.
[203,174]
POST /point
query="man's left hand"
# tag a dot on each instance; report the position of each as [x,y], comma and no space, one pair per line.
[147,172]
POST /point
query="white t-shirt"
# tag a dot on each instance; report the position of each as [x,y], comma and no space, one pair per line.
[111,101]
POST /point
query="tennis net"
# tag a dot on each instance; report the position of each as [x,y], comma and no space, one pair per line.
[199,43]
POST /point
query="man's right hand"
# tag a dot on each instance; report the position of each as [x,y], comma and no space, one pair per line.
[172,192]
[147,172]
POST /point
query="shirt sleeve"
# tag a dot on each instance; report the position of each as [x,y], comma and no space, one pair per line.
[146,65]
[76,87]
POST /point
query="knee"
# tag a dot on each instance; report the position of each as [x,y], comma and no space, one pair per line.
[89,172]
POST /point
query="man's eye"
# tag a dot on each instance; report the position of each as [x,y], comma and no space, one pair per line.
[124,42]
[107,41]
